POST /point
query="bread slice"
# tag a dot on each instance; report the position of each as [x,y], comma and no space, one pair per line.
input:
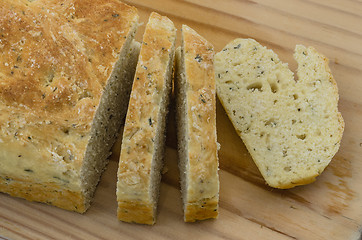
[64,88]
[196,126]
[291,127]
[142,149]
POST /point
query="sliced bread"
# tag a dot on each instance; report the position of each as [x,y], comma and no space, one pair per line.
[64,88]
[196,126]
[142,149]
[291,127]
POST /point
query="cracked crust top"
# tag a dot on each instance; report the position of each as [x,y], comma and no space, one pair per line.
[56,57]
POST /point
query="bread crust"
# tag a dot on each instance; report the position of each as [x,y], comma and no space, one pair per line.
[58,57]
[135,198]
[49,193]
[136,212]
[201,210]
[201,185]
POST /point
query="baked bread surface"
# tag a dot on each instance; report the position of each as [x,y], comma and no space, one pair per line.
[291,126]
[196,126]
[144,132]
[56,61]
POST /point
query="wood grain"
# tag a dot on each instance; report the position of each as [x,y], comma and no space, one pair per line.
[330,208]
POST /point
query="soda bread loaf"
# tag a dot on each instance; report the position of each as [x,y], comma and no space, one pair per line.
[66,71]
[196,126]
[291,126]
[141,158]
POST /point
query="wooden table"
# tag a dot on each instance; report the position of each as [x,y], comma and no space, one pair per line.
[330,208]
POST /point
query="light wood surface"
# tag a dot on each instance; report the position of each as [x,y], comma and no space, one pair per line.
[330,208]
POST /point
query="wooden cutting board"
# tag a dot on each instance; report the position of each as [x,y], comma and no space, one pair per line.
[330,208]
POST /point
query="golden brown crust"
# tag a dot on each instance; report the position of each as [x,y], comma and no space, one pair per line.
[57,57]
[136,212]
[49,193]
[201,210]
[202,177]
[142,121]
[47,78]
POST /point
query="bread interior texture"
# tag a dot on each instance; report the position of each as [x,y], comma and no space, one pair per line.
[291,126]
[182,129]
[109,116]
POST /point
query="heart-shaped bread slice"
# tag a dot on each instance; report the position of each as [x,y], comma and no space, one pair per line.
[291,126]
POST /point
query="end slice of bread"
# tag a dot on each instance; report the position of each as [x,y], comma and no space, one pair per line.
[142,149]
[196,126]
[291,127]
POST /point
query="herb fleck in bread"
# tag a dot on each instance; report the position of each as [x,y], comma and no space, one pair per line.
[142,149]
[66,74]
[291,127]
[196,126]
